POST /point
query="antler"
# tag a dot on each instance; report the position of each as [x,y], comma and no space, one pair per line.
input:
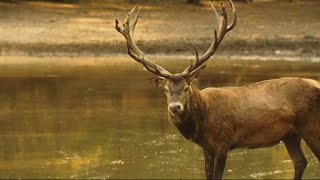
[218,36]
[133,50]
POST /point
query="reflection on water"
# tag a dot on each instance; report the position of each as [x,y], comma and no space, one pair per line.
[99,119]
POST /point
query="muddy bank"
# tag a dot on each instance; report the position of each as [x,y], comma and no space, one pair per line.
[279,29]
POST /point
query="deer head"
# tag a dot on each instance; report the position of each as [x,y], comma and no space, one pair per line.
[177,87]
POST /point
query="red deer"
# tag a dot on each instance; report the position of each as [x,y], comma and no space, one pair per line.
[222,119]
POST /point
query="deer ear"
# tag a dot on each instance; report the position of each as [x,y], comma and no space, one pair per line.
[193,75]
[157,81]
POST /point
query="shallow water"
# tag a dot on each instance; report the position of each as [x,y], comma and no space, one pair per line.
[98,118]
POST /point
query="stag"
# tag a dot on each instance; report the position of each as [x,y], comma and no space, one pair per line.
[222,119]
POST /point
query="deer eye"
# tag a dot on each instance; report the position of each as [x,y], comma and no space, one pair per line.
[185,89]
[166,90]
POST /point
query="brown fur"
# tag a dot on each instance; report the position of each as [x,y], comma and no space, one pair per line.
[192,118]
[253,116]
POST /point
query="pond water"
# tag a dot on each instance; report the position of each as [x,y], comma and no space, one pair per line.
[98,118]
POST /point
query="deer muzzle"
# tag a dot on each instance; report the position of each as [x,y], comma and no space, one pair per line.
[175,108]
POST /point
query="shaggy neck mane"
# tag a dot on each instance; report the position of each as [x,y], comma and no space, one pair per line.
[189,123]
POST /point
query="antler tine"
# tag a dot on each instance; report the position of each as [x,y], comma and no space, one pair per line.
[214,10]
[196,52]
[187,70]
[133,50]
[234,20]
[197,55]
[218,34]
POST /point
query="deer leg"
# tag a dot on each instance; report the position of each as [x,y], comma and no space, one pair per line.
[314,145]
[209,163]
[311,135]
[220,158]
[293,145]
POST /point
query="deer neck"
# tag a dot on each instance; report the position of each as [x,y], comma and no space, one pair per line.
[189,123]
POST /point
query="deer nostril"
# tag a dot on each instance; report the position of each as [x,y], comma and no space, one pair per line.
[175,108]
